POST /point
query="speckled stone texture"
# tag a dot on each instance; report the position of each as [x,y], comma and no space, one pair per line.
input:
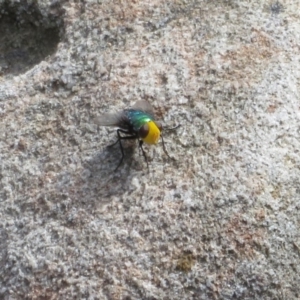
[220,222]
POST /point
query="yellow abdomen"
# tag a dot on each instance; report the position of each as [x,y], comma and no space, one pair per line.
[153,135]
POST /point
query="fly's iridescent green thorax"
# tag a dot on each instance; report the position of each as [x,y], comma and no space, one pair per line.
[137,118]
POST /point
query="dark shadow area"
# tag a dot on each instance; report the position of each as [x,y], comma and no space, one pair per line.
[26,36]
[110,157]
[98,181]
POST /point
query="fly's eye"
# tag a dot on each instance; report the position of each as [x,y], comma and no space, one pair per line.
[144,130]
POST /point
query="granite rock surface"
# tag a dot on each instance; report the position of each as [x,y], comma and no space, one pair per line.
[219,222]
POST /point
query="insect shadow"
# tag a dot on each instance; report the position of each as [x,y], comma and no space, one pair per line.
[111,157]
[100,177]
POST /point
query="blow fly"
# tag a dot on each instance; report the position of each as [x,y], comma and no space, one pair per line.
[138,123]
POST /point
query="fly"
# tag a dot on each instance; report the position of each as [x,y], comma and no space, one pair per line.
[138,123]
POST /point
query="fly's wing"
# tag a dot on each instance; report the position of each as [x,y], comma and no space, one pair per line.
[120,119]
[145,106]
[111,119]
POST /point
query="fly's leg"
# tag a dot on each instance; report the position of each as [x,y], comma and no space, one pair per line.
[143,151]
[122,150]
[129,137]
[164,147]
[163,142]
[171,128]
